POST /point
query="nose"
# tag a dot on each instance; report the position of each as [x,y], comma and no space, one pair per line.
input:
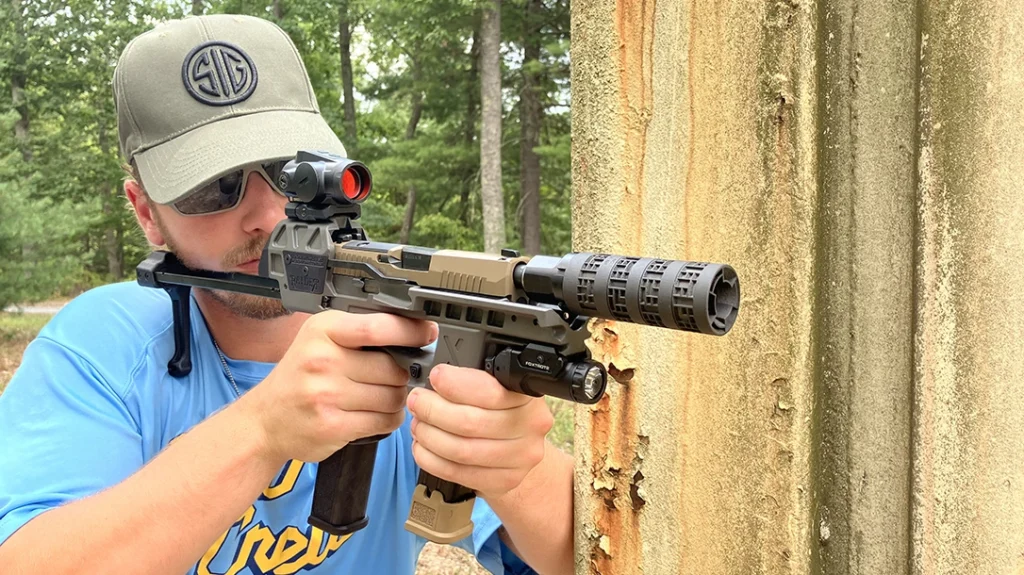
[262,206]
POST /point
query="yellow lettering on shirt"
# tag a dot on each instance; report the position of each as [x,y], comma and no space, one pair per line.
[259,537]
[288,544]
[287,483]
[203,568]
[283,553]
[313,555]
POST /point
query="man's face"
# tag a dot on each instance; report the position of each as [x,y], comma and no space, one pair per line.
[229,241]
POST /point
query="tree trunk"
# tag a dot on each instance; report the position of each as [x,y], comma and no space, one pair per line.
[21,125]
[278,11]
[410,133]
[472,99]
[19,102]
[529,122]
[859,166]
[491,194]
[112,234]
[410,214]
[111,195]
[349,102]
[197,7]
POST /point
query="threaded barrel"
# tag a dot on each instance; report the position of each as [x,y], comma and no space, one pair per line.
[690,296]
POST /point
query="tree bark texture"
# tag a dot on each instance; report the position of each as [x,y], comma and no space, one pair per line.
[859,164]
[410,133]
[347,91]
[22,132]
[472,99]
[110,192]
[18,72]
[530,117]
[492,198]
[112,235]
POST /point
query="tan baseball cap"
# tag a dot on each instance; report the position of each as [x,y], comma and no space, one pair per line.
[200,97]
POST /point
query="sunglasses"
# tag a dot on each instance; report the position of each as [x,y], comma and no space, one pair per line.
[226,192]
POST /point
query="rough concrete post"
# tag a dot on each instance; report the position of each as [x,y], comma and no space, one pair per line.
[860,163]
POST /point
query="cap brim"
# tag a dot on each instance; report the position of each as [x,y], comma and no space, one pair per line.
[173,169]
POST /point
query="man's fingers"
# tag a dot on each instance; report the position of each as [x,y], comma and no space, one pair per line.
[474,387]
[371,398]
[481,479]
[494,453]
[466,420]
[356,330]
[375,367]
[324,358]
[359,424]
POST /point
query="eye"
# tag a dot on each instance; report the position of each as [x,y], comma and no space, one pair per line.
[213,197]
[203,200]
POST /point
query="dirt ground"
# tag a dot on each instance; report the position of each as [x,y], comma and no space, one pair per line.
[447,560]
[10,357]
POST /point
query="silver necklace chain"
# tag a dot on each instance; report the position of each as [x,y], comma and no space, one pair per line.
[227,370]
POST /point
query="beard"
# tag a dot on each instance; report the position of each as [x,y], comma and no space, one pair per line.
[241,304]
[249,306]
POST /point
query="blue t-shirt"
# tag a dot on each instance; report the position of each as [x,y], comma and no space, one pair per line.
[92,402]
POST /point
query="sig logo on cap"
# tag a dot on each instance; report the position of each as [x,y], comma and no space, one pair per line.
[218,74]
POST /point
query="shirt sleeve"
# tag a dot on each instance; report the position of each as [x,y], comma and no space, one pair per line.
[487,546]
[65,433]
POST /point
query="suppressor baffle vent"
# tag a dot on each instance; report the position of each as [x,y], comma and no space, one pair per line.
[585,282]
[650,283]
[617,281]
[691,296]
[682,295]
[607,286]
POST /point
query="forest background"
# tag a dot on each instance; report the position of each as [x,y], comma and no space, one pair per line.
[460,108]
[407,86]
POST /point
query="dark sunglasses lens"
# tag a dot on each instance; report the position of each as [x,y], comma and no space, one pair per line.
[213,197]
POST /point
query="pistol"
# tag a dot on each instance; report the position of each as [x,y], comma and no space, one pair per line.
[524,320]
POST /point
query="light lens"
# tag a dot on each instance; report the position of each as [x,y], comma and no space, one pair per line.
[593,382]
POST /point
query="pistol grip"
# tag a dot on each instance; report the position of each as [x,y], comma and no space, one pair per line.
[417,362]
[342,487]
[441,511]
[181,364]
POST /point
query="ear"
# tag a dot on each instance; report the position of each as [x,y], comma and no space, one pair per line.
[144,212]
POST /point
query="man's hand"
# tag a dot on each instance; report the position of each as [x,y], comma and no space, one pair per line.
[326,392]
[474,432]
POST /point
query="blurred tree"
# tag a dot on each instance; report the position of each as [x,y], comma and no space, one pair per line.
[530,113]
[408,74]
[490,128]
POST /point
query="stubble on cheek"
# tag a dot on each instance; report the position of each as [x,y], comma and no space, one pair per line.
[243,305]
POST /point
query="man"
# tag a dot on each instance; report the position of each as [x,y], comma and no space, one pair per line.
[110,465]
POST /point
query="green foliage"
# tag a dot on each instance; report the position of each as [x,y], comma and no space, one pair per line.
[63,221]
[561,433]
[64,225]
